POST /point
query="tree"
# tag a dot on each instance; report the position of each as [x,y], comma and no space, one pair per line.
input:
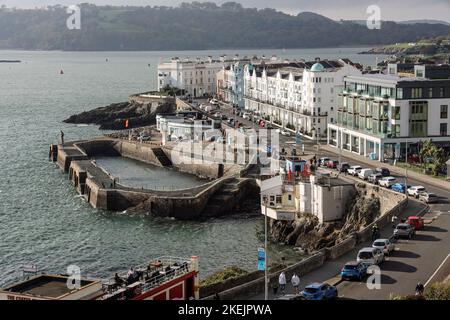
[439,159]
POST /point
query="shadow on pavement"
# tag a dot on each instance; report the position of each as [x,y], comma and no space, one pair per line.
[425,237]
[385,279]
[434,229]
[404,254]
[397,266]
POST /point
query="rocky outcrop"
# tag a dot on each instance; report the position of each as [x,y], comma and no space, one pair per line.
[114,116]
[309,235]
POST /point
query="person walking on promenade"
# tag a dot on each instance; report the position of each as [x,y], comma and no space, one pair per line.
[295,283]
[282,282]
[419,289]
[62,137]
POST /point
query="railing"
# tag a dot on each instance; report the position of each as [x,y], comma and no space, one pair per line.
[156,273]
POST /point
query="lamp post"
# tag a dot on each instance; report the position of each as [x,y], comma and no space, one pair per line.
[266,278]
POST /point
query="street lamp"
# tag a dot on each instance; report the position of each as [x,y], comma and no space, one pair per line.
[266,278]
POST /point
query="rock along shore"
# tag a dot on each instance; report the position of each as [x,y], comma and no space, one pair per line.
[113,117]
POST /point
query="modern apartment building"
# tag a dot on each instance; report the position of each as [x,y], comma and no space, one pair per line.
[379,115]
[300,96]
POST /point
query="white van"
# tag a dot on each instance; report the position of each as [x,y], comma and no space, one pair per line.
[365,173]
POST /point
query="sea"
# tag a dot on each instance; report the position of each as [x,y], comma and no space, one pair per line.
[42,219]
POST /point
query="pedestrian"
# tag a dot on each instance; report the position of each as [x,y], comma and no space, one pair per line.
[295,283]
[275,288]
[375,232]
[419,289]
[394,221]
[282,282]
[62,137]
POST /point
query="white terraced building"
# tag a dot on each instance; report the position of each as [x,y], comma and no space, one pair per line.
[197,77]
[300,96]
[379,115]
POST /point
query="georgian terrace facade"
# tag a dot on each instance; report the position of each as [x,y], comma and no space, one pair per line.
[300,96]
[379,115]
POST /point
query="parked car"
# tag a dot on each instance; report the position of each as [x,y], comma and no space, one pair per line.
[374,178]
[332,164]
[384,245]
[365,173]
[370,256]
[323,161]
[399,187]
[387,181]
[415,191]
[319,291]
[290,297]
[354,170]
[214,102]
[428,197]
[384,171]
[285,133]
[246,115]
[416,222]
[404,230]
[343,167]
[354,270]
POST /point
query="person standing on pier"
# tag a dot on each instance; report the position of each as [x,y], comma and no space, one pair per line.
[62,137]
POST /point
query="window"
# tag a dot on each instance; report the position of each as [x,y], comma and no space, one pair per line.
[396,113]
[289,197]
[279,200]
[443,129]
[430,92]
[416,93]
[444,111]
[399,93]
[441,92]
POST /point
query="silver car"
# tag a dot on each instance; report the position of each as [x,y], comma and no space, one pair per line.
[428,197]
[384,245]
[404,230]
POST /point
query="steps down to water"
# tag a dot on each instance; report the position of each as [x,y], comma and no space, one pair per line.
[223,200]
[162,158]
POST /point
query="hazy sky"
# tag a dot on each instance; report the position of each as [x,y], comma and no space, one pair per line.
[336,9]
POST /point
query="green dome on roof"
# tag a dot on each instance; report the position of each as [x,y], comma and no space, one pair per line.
[317,67]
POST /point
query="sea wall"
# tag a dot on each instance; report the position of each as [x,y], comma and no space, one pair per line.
[253,287]
[256,286]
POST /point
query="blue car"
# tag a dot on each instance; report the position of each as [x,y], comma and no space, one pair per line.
[354,270]
[399,187]
[319,291]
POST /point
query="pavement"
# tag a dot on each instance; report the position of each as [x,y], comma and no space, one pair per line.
[422,258]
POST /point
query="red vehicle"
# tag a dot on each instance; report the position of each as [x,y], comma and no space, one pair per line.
[332,164]
[416,222]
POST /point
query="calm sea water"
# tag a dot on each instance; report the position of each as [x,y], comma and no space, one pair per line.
[42,221]
[137,174]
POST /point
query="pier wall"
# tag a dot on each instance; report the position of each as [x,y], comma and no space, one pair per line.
[102,192]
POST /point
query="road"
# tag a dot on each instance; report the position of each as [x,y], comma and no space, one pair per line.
[413,260]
